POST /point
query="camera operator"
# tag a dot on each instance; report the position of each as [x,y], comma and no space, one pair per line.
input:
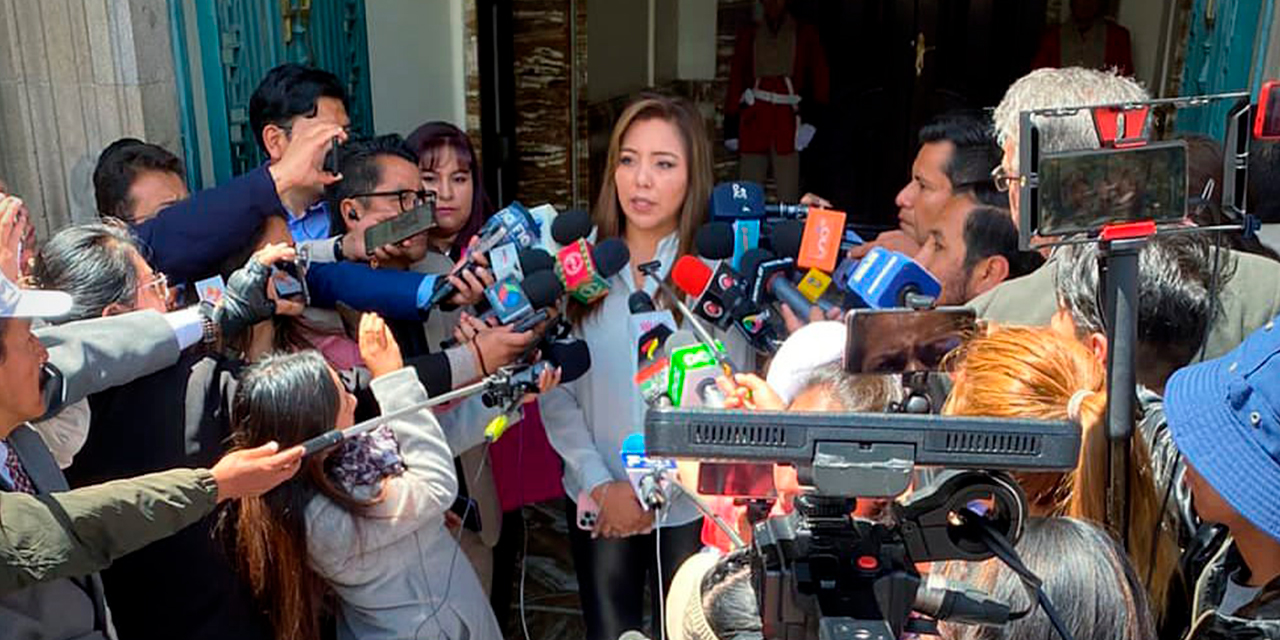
[971,248]
[1037,373]
[1223,418]
[1248,300]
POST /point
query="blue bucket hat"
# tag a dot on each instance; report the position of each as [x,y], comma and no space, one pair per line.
[1224,415]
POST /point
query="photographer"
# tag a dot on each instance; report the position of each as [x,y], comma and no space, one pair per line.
[1248,300]
[1020,372]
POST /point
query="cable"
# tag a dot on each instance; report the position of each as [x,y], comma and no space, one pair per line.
[484,459]
[1000,546]
[524,529]
[661,596]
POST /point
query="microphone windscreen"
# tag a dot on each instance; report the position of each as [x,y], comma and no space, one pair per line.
[542,288]
[691,275]
[715,241]
[753,259]
[533,260]
[610,257]
[573,357]
[571,226]
[737,200]
[787,237]
[640,302]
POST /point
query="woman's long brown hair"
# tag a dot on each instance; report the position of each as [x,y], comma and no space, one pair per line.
[607,214]
[1024,372]
[286,398]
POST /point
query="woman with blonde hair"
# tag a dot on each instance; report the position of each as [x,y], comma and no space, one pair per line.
[658,180]
[1025,372]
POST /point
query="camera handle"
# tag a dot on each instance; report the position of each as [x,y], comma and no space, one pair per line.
[1118,260]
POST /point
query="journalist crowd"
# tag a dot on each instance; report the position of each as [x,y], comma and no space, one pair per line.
[285,407]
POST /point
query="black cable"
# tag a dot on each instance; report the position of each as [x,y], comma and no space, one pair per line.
[1000,546]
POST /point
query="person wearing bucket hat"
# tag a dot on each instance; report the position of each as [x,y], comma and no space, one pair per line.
[54,540]
[1224,416]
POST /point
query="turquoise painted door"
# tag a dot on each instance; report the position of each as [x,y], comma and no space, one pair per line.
[1225,36]
[237,42]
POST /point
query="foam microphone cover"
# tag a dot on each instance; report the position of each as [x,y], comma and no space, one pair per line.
[787,237]
[753,259]
[542,288]
[640,302]
[572,356]
[533,260]
[571,226]
[737,200]
[610,257]
[691,275]
[715,241]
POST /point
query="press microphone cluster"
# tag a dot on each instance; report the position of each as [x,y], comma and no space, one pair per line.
[513,225]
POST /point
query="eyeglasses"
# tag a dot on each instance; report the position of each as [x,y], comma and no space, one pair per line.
[1005,180]
[409,199]
[158,285]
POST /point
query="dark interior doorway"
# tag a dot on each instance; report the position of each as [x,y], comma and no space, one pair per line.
[969,52]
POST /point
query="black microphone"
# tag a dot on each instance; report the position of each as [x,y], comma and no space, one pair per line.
[641,302]
[942,599]
[573,357]
[533,260]
[769,279]
[787,240]
[571,226]
[715,241]
[521,305]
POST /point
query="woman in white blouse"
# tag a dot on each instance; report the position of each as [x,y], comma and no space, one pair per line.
[655,198]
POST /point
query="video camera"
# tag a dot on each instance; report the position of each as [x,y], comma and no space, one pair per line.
[820,572]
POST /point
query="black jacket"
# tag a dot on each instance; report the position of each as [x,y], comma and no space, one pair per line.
[184,586]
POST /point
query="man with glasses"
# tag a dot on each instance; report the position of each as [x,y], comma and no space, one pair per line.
[1247,300]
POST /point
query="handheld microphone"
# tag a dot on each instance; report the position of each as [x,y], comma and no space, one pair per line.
[713,292]
[585,271]
[571,226]
[728,241]
[533,260]
[649,332]
[512,225]
[769,280]
[885,279]
[647,475]
[788,241]
[520,304]
[737,200]
[650,270]
[640,302]
[820,244]
[692,373]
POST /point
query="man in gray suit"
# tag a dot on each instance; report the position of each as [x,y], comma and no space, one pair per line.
[1248,300]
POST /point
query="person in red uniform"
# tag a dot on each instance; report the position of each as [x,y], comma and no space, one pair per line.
[1089,39]
[776,60]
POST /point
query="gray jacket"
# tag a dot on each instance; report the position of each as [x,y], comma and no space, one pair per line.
[1249,300]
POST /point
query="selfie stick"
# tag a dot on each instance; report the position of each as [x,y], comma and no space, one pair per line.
[650,269]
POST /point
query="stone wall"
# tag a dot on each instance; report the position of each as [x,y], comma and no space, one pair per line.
[76,75]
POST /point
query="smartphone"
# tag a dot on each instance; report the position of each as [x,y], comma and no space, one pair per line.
[331,158]
[290,282]
[588,511]
[1083,191]
[903,340]
[1266,124]
[404,226]
[737,479]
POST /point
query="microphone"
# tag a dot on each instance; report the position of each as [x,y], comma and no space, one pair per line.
[737,200]
[585,271]
[769,280]
[728,241]
[645,474]
[713,292]
[885,279]
[788,241]
[820,243]
[512,225]
[692,373]
[520,304]
[533,260]
[640,302]
[942,599]
[571,226]
[573,357]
